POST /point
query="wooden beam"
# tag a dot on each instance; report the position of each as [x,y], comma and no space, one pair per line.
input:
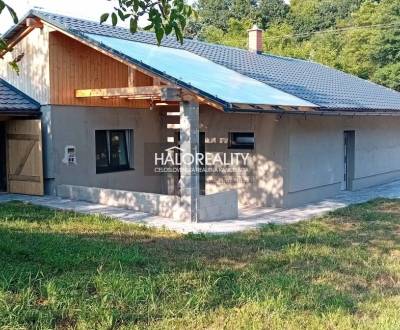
[31,24]
[17,39]
[146,92]
[34,22]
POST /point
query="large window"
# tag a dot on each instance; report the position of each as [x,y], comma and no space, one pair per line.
[113,150]
[241,140]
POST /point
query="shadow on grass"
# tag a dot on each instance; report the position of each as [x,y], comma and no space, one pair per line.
[58,267]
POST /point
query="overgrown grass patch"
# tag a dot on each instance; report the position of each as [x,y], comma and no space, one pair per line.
[65,270]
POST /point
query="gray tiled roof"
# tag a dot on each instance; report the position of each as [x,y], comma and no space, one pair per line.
[316,83]
[13,100]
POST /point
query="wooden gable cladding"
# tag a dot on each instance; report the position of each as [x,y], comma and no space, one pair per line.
[74,65]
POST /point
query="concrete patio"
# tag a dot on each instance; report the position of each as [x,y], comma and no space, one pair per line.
[250,218]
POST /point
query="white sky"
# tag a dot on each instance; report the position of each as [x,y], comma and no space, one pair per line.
[89,9]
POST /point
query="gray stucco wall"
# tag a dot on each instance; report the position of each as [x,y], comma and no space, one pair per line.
[300,159]
[263,182]
[316,155]
[296,159]
[75,126]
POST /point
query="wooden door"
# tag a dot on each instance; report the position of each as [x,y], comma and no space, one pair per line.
[349,146]
[3,157]
[24,157]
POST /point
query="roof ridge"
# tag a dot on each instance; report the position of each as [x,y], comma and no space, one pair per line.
[36,11]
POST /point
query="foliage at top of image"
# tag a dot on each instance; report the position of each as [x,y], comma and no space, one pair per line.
[361,37]
[164,16]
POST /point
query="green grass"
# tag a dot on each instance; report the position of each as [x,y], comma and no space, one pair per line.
[65,270]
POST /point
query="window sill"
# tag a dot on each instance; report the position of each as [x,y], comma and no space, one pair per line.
[108,171]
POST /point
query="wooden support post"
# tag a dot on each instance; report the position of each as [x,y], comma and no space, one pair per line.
[189,145]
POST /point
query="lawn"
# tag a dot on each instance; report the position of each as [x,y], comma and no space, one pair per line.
[65,270]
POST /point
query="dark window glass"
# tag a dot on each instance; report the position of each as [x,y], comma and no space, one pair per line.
[241,140]
[118,152]
[111,151]
[101,150]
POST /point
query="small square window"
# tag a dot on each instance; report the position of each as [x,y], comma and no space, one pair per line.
[241,140]
[70,156]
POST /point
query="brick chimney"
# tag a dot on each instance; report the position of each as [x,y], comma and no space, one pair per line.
[255,39]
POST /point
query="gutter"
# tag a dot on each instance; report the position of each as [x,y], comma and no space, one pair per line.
[20,113]
[325,113]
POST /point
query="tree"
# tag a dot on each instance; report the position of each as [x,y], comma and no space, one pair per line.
[373,42]
[272,11]
[164,16]
[388,75]
[236,35]
[315,15]
[217,13]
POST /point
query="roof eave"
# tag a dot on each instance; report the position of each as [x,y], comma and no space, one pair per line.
[320,112]
[20,112]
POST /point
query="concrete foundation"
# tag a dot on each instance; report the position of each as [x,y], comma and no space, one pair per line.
[216,207]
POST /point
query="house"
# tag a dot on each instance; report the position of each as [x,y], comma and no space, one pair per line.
[118,116]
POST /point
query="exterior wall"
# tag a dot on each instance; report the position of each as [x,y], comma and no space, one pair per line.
[75,126]
[377,156]
[263,184]
[55,65]
[72,125]
[296,160]
[316,155]
[34,77]
[74,65]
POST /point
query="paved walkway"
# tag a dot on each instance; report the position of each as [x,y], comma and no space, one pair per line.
[248,219]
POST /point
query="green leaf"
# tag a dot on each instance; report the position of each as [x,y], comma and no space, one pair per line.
[133,25]
[3,44]
[168,29]
[178,33]
[114,19]
[182,21]
[14,66]
[195,14]
[2,6]
[135,6]
[121,14]
[104,17]
[13,14]
[159,35]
